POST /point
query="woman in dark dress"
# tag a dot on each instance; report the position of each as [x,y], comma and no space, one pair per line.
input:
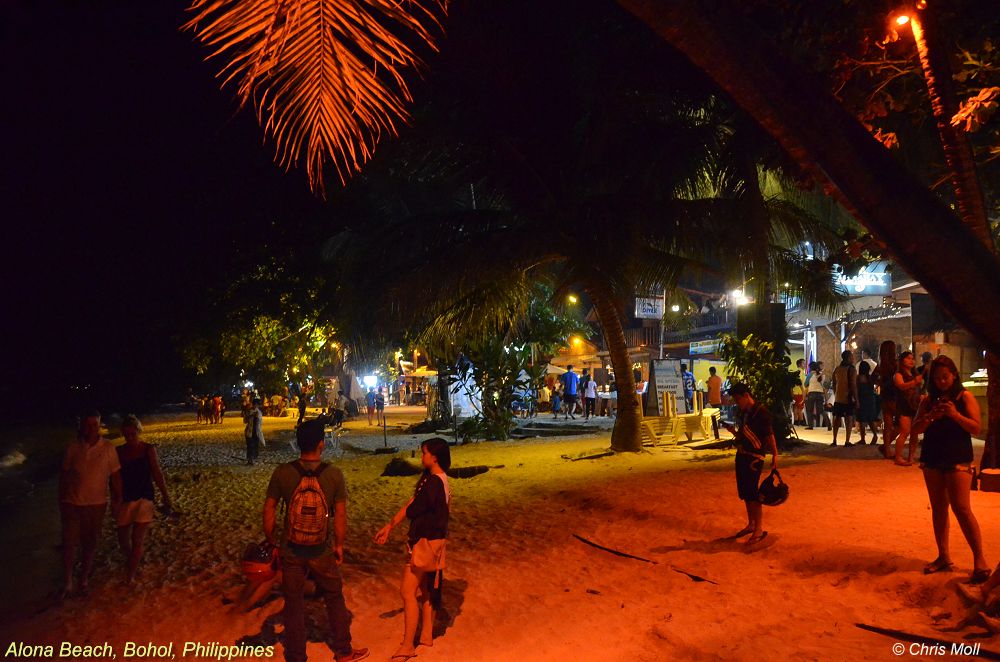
[867,402]
[427,511]
[140,468]
[948,418]
[884,374]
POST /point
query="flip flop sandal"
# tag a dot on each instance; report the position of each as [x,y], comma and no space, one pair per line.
[755,539]
[979,577]
[938,566]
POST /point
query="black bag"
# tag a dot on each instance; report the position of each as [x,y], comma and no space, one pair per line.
[773,490]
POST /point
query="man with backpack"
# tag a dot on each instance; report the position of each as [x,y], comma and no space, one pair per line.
[312,542]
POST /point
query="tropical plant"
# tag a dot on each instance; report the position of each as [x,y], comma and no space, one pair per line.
[764,369]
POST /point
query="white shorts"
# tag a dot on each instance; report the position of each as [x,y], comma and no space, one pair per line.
[136,512]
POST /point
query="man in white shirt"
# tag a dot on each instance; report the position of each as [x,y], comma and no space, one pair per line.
[88,464]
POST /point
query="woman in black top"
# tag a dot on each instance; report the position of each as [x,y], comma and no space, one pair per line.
[948,417]
[907,384]
[427,511]
[140,468]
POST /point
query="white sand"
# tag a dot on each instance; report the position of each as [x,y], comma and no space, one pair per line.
[847,548]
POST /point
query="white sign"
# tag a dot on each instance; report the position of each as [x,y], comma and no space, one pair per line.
[649,308]
[870,280]
[666,378]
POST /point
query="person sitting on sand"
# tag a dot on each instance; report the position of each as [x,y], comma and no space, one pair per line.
[428,513]
[320,560]
[948,418]
[139,469]
[754,438]
[88,465]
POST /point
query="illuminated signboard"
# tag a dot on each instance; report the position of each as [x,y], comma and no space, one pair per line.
[648,308]
[870,280]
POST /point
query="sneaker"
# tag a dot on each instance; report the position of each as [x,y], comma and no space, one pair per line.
[356,654]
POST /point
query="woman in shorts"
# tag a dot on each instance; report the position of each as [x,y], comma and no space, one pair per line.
[140,468]
[948,418]
[428,512]
[907,384]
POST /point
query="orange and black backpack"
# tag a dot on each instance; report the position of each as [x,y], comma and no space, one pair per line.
[308,511]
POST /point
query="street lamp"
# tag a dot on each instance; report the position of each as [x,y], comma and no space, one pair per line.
[572,298]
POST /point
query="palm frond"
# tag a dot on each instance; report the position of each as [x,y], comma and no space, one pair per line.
[325,77]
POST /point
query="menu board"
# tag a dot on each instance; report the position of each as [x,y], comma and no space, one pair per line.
[665,377]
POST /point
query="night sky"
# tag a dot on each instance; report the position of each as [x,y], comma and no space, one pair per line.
[131,183]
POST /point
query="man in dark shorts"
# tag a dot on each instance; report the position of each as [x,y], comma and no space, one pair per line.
[571,382]
[845,396]
[321,561]
[754,439]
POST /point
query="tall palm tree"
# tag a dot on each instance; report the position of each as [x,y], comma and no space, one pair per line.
[929,40]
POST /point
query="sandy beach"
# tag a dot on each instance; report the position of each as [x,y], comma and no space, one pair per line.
[848,547]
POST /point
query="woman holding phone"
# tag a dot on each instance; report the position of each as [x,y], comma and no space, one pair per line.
[948,418]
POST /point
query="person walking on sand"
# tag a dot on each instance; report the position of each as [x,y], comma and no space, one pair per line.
[312,542]
[303,401]
[570,382]
[370,404]
[427,511]
[89,464]
[714,385]
[845,396]
[140,468]
[948,418]
[379,407]
[907,384]
[754,439]
[253,431]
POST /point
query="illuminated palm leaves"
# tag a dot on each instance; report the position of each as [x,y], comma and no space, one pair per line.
[325,77]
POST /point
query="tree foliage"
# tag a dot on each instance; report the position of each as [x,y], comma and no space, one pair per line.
[763,367]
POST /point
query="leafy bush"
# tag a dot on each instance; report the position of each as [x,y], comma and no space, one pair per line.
[765,370]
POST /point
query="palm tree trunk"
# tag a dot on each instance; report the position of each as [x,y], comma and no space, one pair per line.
[626,436]
[968,194]
[828,141]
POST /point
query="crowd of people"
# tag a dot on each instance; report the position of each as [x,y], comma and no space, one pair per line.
[924,406]
[928,402]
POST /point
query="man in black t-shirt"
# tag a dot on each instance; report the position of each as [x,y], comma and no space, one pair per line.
[755,439]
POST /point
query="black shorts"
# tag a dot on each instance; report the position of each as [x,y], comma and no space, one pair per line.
[569,398]
[843,409]
[748,468]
